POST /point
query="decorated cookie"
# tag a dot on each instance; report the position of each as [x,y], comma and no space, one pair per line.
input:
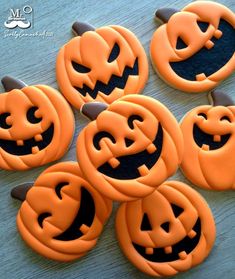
[62,215]
[132,146]
[102,64]
[169,231]
[36,125]
[209,142]
[194,49]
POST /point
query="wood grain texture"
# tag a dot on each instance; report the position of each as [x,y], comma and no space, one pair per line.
[33,60]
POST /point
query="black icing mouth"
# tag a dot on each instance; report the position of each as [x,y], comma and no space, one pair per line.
[187,244]
[208,61]
[201,138]
[85,216]
[11,147]
[129,164]
[114,82]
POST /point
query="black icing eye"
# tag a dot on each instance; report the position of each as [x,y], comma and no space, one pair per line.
[177,210]
[31,115]
[58,189]
[80,68]
[145,224]
[3,123]
[101,135]
[203,115]
[180,44]
[131,119]
[225,118]
[114,53]
[203,25]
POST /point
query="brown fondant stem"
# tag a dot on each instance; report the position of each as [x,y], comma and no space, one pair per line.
[164,14]
[19,192]
[93,109]
[219,98]
[81,27]
[9,83]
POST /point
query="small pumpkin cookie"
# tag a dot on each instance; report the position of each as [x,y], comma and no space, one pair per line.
[62,215]
[36,125]
[209,144]
[169,231]
[101,64]
[194,49]
[132,147]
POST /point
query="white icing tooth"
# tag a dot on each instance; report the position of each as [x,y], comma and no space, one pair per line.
[84,228]
[205,147]
[209,44]
[143,170]
[20,142]
[149,250]
[151,148]
[192,234]
[182,255]
[200,77]
[217,138]
[113,162]
[35,149]
[168,249]
[38,137]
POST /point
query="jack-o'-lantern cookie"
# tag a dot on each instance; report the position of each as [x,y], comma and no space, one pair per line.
[62,215]
[36,125]
[194,50]
[132,146]
[169,231]
[209,144]
[101,64]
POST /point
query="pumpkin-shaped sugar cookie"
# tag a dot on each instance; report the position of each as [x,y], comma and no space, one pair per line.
[194,50]
[132,147]
[62,215]
[36,125]
[209,142]
[169,231]
[102,64]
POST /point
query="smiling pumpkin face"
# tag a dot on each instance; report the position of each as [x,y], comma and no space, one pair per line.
[194,50]
[208,133]
[132,147]
[36,127]
[63,215]
[102,65]
[167,232]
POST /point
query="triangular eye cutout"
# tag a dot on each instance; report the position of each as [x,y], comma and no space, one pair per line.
[180,43]
[114,53]
[166,226]
[176,209]
[203,25]
[145,225]
[128,142]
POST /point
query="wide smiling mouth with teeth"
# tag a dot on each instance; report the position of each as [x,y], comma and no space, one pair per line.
[178,251]
[135,165]
[211,58]
[114,82]
[28,146]
[207,141]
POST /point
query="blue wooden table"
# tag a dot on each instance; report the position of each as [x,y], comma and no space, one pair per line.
[32,59]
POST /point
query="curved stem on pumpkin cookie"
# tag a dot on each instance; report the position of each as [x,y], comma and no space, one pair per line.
[164,14]
[219,98]
[81,27]
[9,83]
[19,192]
[93,109]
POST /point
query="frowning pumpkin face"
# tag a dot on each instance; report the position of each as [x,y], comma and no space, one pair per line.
[36,127]
[167,232]
[194,50]
[102,64]
[131,148]
[63,215]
